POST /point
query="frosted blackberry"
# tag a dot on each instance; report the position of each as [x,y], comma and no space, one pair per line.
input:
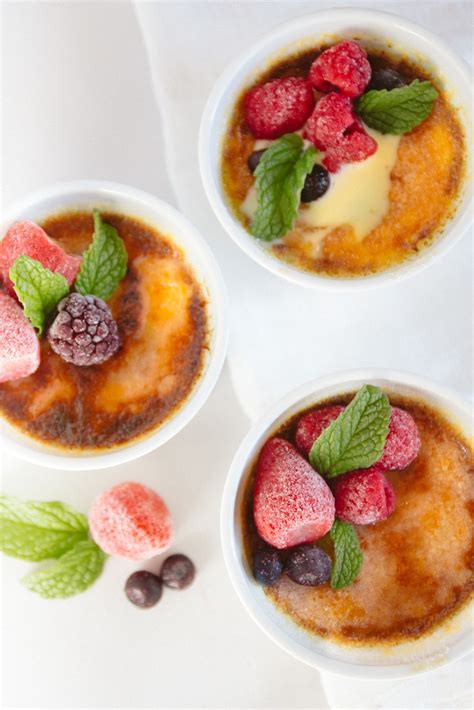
[84,331]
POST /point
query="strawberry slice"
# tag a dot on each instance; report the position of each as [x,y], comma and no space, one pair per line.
[19,344]
[292,503]
[27,238]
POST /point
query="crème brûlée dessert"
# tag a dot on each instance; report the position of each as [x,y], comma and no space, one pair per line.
[344,162]
[106,329]
[372,555]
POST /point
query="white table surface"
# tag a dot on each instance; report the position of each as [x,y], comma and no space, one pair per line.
[78,102]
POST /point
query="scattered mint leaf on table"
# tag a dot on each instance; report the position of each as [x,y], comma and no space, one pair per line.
[398,110]
[104,263]
[280,177]
[356,438]
[71,574]
[348,555]
[36,530]
[38,289]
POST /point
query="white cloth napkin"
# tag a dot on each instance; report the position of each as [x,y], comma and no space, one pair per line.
[282,335]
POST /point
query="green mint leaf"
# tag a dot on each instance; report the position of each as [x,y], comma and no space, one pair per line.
[280,177]
[398,110]
[356,438]
[38,289]
[347,552]
[36,530]
[71,574]
[104,264]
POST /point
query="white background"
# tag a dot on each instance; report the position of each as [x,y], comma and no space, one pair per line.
[109,90]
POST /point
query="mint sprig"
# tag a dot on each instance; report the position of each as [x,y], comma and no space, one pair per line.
[104,264]
[36,530]
[38,289]
[399,110]
[280,177]
[356,438]
[347,552]
[71,574]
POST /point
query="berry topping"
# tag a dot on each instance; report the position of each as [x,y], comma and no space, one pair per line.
[132,521]
[308,565]
[278,107]
[364,497]
[267,566]
[402,444]
[311,425]
[344,67]
[143,589]
[254,159]
[315,184]
[292,503]
[386,79]
[19,344]
[334,128]
[177,572]
[28,239]
[84,331]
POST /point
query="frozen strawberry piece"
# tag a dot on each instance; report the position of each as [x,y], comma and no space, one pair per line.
[403,442]
[279,106]
[334,128]
[27,238]
[132,521]
[344,67]
[311,425]
[292,503]
[19,344]
[364,497]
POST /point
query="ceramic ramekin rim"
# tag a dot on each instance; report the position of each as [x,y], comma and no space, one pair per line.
[207,137]
[230,546]
[205,384]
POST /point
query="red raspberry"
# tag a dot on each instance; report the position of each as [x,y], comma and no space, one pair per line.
[403,442]
[364,497]
[132,521]
[344,66]
[334,128]
[278,107]
[311,425]
[292,503]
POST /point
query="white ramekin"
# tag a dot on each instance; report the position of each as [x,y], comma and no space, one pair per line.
[448,642]
[377,30]
[127,200]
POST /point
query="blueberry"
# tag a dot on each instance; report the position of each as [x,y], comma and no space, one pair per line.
[177,572]
[267,566]
[308,565]
[254,159]
[143,589]
[316,184]
[386,79]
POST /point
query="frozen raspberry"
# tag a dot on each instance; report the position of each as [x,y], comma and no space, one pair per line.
[278,107]
[334,128]
[19,344]
[132,521]
[344,67]
[364,497]
[292,503]
[84,331]
[311,425]
[403,442]
[27,238]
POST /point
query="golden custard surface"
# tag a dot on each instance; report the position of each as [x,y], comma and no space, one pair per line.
[418,565]
[161,317]
[424,186]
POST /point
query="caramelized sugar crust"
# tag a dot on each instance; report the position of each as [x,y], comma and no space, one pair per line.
[425,183]
[161,316]
[418,565]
